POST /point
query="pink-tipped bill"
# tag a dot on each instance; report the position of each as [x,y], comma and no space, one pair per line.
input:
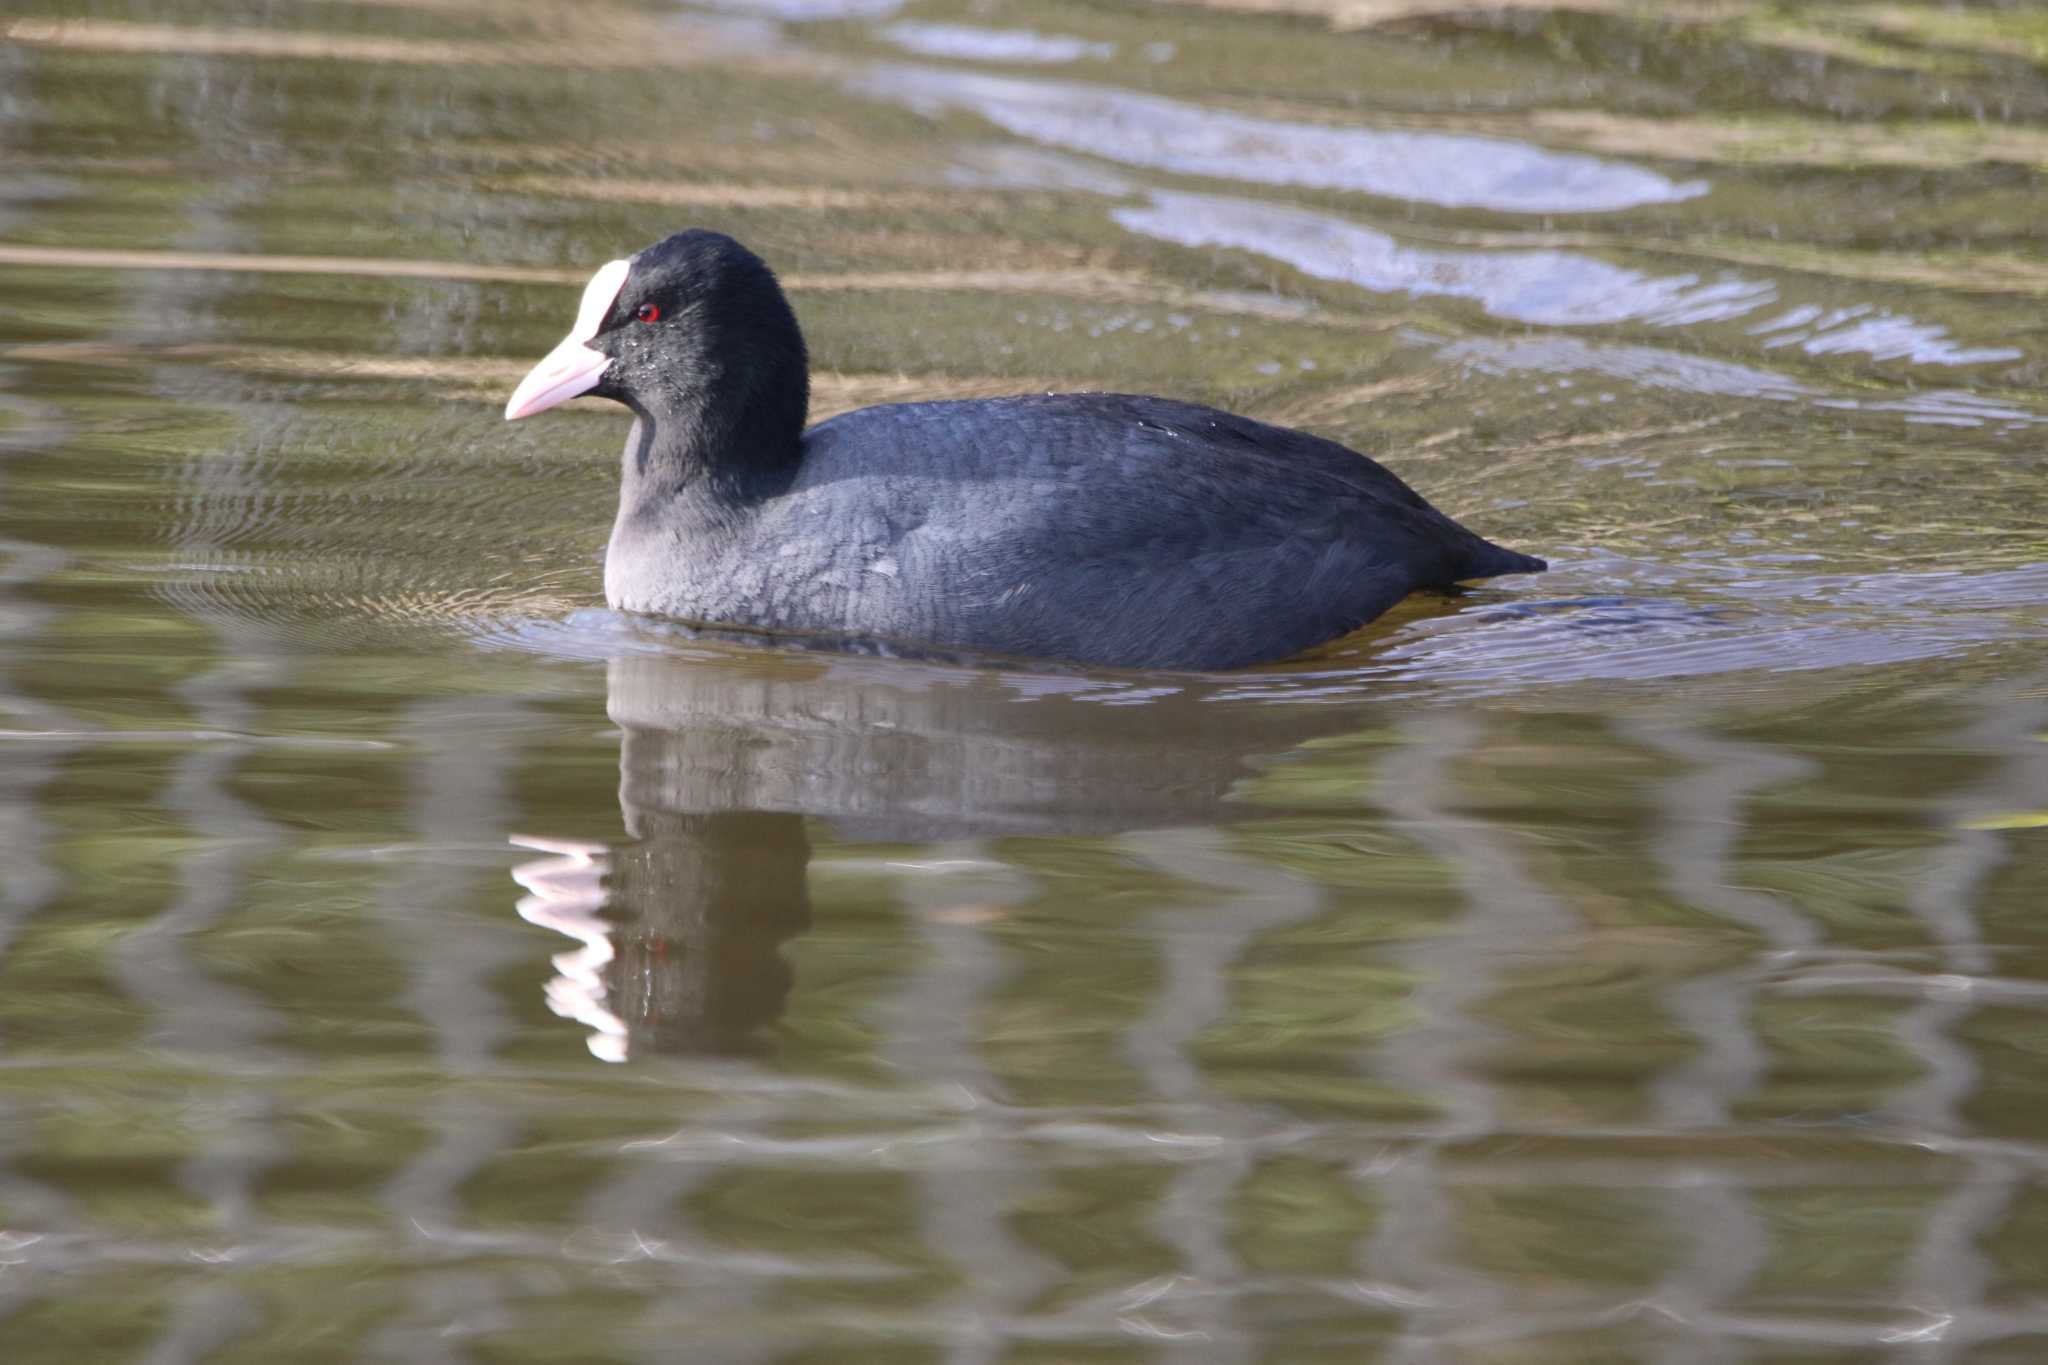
[572,367]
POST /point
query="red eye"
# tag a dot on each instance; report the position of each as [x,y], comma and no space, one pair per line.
[647,312]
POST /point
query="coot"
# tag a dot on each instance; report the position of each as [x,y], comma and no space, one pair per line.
[1097,528]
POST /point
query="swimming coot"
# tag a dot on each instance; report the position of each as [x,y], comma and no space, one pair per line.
[1097,528]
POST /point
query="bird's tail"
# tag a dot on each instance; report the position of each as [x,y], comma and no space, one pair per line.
[1488,560]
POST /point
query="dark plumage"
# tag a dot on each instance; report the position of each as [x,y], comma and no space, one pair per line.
[1090,527]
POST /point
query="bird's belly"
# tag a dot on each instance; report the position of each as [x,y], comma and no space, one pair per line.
[760,587]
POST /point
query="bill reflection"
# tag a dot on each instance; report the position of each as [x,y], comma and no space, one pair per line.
[678,932]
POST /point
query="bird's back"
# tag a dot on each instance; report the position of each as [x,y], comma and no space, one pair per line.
[1085,526]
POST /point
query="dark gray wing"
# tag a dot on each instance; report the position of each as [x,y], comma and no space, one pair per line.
[1106,525]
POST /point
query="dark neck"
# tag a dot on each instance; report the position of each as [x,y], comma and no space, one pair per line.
[735,451]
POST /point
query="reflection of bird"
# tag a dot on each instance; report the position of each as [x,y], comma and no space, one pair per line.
[565,892]
[1098,528]
[887,751]
[704,903]
[724,760]
[680,930]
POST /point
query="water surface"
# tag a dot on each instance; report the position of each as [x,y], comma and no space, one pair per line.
[403,957]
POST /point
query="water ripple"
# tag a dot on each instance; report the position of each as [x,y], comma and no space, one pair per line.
[1007,45]
[1450,169]
[1554,288]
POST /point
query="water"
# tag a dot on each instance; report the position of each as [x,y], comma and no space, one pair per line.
[403,957]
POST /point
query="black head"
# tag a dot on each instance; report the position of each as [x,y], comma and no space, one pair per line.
[693,333]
